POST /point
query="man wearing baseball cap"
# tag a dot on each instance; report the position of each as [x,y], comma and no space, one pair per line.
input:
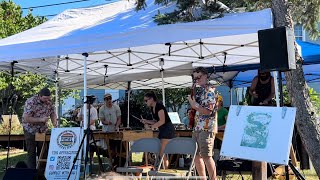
[109,114]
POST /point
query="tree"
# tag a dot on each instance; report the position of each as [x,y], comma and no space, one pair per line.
[306,120]
[305,12]
[12,21]
[175,98]
[26,84]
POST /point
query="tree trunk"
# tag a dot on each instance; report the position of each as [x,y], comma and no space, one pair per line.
[299,92]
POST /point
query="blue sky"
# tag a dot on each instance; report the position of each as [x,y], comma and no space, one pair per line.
[52,10]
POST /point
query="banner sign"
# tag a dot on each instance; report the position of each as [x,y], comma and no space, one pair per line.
[64,144]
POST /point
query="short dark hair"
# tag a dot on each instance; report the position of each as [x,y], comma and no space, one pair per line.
[44,92]
[203,70]
[152,95]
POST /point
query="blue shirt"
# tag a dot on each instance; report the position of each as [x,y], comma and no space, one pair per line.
[186,120]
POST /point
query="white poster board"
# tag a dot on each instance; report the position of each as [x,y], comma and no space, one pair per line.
[174,116]
[64,144]
[259,133]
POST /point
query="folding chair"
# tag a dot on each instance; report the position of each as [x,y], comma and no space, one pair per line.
[146,145]
[180,146]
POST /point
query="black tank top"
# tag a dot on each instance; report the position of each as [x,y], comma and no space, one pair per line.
[263,91]
[159,106]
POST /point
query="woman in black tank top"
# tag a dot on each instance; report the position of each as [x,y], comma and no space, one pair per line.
[161,121]
[262,89]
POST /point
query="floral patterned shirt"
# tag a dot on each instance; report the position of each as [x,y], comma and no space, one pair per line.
[35,108]
[206,97]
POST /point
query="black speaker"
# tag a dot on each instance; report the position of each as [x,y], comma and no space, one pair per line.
[21,173]
[276,48]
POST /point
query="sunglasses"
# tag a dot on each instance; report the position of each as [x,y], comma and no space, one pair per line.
[146,100]
[107,98]
[197,78]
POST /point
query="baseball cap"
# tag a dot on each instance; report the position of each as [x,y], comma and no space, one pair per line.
[107,95]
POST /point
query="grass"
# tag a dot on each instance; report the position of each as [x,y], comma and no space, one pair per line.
[17,155]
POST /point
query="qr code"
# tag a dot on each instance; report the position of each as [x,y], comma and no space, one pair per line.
[63,162]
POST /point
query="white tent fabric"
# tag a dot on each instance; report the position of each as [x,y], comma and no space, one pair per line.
[125,45]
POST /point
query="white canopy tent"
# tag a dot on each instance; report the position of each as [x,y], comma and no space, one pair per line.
[104,45]
[127,46]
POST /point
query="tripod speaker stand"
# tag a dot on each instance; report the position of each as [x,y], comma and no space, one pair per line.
[88,135]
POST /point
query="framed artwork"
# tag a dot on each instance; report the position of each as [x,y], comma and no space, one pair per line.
[260,133]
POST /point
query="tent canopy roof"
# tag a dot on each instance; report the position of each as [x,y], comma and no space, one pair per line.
[125,45]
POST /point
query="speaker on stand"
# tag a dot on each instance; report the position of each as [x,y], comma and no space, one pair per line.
[277,53]
[276,49]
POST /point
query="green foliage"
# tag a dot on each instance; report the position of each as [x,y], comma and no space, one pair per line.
[67,123]
[305,12]
[175,98]
[314,96]
[315,100]
[187,11]
[25,85]
[12,21]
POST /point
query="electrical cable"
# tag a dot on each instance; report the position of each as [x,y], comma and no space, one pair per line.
[57,4]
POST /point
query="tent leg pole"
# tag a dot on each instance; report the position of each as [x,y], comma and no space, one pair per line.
[163,91]
[128,115]
[84,110]
[275,78]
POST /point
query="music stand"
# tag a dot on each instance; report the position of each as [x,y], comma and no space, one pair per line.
[88,133]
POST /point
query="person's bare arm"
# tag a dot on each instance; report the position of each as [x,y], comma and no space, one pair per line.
[199,108]
[118,122]
[216,122]
[93,122]
[162,120]
[53,118]
[253,87]
[149,122]
[29,119]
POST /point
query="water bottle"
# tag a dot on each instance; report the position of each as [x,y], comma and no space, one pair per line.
[181,162]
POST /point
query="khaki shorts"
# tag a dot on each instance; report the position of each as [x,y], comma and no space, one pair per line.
[205,142]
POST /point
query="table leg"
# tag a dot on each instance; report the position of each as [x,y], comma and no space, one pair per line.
[120,154]
[41,155]
[107,140]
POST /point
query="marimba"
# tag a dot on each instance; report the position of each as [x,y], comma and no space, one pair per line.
[124,136]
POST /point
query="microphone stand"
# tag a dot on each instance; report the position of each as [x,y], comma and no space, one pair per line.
[12,103]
